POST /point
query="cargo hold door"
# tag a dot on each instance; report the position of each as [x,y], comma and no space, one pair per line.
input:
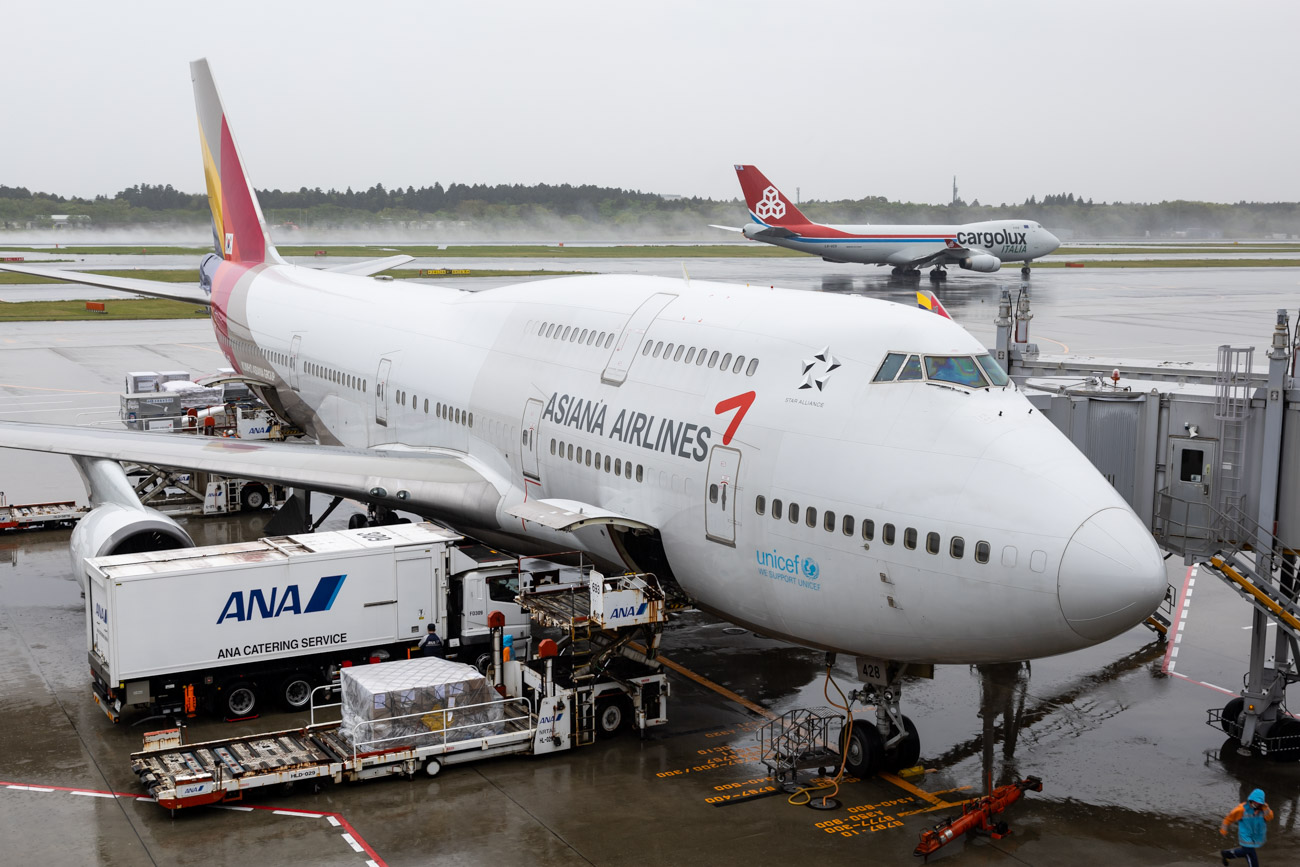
[416,578]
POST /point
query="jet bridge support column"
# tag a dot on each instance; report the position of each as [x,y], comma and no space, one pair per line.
[1265,690]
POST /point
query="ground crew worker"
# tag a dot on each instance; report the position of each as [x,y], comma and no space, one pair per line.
[431,644]
[1250,818]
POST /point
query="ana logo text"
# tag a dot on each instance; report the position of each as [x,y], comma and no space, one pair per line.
[280,600]
[629,611]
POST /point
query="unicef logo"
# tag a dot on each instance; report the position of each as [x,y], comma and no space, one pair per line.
[770,205]
[810,568]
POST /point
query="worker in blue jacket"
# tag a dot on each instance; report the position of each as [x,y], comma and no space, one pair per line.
[431,644]
[1250,818]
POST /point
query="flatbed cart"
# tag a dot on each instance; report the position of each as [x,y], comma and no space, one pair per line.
[549,704]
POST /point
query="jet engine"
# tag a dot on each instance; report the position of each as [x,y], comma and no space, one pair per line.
[118,523]
[983,262]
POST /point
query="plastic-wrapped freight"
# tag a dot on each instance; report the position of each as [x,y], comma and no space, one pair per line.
[417,702]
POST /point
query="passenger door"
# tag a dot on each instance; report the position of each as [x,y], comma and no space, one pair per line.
[381,391]
[720,491]
[532,418]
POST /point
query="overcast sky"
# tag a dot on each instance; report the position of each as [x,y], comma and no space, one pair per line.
[1129,101]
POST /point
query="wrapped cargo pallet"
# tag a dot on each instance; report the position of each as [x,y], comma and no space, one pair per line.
[417,702]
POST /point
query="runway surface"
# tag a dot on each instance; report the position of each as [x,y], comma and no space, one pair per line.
[1131,772]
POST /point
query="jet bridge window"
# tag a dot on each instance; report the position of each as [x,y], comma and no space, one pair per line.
[1191,465]
[960,369]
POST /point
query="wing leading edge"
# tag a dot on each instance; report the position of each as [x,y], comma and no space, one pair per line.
[440,482]
[189,293]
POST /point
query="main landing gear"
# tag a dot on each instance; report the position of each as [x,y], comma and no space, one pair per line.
[904,273]
[938,273]
[889,742]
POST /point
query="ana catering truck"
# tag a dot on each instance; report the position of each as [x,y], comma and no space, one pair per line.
[228,628]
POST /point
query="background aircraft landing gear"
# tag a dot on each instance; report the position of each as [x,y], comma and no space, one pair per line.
[938,273]
[1025,271]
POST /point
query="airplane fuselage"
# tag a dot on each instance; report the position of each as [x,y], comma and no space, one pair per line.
[912,520]
[1008,240]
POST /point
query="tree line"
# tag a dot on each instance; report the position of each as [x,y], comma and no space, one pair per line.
[590,209]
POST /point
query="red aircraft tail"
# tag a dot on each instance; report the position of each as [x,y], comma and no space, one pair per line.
[765,202]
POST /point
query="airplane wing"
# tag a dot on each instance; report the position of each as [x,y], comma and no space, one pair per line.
[371,266]
[411,479]
[187,292]
[919,255]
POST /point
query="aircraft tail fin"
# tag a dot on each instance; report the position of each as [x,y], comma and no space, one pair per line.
[238,228]
[767,204]
[930,302]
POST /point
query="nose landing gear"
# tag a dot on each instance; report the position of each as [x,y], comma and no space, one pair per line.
[890,742]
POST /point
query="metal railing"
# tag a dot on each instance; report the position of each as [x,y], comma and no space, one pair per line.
[362,747]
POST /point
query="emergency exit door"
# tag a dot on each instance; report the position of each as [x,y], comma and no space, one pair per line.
[720,491]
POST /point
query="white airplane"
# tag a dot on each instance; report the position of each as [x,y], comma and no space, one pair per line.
[972,246]
[845,473]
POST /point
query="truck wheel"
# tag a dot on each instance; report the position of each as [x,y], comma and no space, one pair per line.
[254,498]
[612,716]
[295,692]
[239,699]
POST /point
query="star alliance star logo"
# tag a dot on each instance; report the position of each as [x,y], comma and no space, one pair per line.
[818,369]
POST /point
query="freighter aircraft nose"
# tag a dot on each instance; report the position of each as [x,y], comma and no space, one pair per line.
[1112,575]
[1051,243]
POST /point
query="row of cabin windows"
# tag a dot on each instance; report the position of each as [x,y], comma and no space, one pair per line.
[582,337]
[675,352]
[848,526]
[452,414]
[617,466]
[337,377]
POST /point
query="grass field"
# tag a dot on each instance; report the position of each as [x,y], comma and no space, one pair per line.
[192,276]
[127,308]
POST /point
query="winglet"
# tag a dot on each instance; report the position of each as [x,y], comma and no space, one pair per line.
[931,303]
[767,204]
[238,228]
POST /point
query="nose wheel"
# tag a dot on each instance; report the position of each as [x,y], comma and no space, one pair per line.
[887,742]
[1025,271]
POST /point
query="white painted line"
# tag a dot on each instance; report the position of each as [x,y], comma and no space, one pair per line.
[296,813]
[353,843]
[95,794]
[237,809]
[1178,637]
[1185,610]
[333,821]
[38,789]
[1174,655]
[371,863]
[18,788]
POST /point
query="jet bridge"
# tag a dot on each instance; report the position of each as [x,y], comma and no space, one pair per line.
[1209,457]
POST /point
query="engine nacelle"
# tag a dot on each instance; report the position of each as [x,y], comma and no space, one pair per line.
[112,528]
[982,262]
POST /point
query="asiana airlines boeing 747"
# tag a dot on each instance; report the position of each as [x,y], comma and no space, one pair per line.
[845,473]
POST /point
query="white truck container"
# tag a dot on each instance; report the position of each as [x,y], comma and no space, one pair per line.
[230,627]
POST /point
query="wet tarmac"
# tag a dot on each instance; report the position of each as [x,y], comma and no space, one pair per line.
[1132,775]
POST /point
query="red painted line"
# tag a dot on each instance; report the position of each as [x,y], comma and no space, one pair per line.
[337,818]
[1180,621]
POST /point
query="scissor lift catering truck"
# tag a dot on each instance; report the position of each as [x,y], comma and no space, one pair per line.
[231,628]
[548,704]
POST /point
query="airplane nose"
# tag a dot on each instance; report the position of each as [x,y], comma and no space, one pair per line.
[1112,575]
[1053,243]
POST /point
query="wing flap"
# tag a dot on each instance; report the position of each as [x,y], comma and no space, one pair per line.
[189,293]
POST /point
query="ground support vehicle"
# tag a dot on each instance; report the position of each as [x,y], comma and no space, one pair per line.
[229,628]
[549,705]
[37,516]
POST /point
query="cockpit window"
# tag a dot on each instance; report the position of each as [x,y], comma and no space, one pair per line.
[996,374]
[889,368]
[960,369]
[912,369]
